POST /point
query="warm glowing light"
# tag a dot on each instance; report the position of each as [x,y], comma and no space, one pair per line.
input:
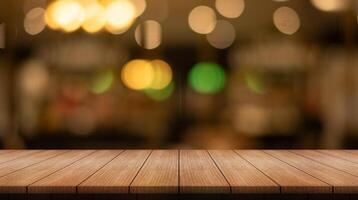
[286,20]
[223,35]
[162,74]
[34,21]
[140,6]
[49,15]
[202,19]
[66,14]
[230,8]
[207,78]
[95,17]
[120,15]
[162,94]
[331,5]
[102,82]
[138,74]
[149,34]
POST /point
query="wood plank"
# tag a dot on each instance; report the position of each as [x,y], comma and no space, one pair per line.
[199,174]
[22,162]
[18,181]
[290,179]
[6,156]
[160,173]
[67,179]
[117,175]
[346,155]
[241,175]
[337,163]
[342,182]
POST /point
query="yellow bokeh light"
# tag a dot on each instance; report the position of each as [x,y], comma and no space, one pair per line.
[331,5]
[137,74]
[66,14]
[230,8]
[202,19]
[120,15]
[162,74]
[286,20]
[140,6]
[49,15]
[95,17]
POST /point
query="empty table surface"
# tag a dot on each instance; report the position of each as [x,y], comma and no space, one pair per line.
[179,171]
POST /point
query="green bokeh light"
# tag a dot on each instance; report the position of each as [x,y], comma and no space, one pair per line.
[161,94]
[207,78]
[102,82]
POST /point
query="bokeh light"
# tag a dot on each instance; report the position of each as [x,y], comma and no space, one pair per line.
[230,8]
[202,19]
[137,74]
[148,34]
[207,78]
[331,5]
[160,94]
[140,6]
[102,82]
[95,18]
[67,15]
[162,74]
[120,15]
[286,20]
[34,22]
[31,4]
[223,35]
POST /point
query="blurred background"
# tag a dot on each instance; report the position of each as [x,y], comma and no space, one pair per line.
[178,74]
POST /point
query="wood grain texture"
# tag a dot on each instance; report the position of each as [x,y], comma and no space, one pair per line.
[6,156]
[22,162]
[342,182]
[67,179]
[332,161]
[241,175]
[117,175]
[346,155]
[18,181]
[199,174]
[290,179]
[160,173]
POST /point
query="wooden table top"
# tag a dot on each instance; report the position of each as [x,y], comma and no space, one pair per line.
[179,171]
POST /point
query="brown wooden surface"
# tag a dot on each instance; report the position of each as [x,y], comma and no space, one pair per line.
[18,181]
[117,175]
[22,162]
[160,174]
[242,176]
[341,182]
[289,178]
[199,174]
[332,161]
[67,179]
[293,173]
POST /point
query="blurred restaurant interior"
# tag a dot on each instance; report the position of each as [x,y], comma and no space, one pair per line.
[178,74]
